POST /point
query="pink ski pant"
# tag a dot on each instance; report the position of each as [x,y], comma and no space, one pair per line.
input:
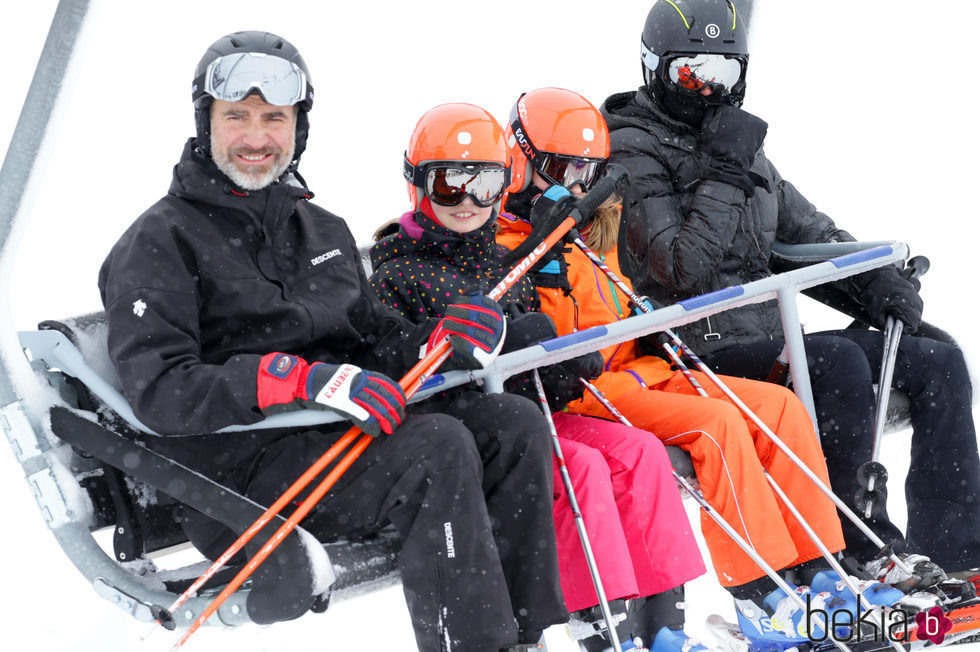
[637,526]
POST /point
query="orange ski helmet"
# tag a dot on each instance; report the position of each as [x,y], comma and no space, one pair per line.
[551,125]
[455,133]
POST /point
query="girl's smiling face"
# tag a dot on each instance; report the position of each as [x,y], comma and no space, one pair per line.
[465,217]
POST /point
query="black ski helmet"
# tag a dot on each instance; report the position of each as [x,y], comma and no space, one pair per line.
[692,27]
[242,42]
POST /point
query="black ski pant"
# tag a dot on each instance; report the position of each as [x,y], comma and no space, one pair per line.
[428,480]
[514,442]
[942,488]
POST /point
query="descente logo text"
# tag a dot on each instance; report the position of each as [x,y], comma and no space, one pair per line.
[325,256]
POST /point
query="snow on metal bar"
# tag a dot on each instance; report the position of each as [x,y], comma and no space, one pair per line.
[59,353]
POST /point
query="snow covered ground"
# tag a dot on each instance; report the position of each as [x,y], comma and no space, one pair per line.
[867,114]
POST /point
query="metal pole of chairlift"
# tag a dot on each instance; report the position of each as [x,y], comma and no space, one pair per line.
[20,172]
[19,169]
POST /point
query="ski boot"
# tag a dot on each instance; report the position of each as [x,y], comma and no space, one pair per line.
[630,645]
[872,593]
[589,622]
[588,626]
[675,640]
[778,623]
[868,615]
[961,587]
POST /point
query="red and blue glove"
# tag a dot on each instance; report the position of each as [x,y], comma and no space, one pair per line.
[477,328]
[374,402]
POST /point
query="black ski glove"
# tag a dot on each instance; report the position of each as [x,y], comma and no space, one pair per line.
[886,292]
[526,328]
[561,381]
[732,138]
[552,206]
[477,328]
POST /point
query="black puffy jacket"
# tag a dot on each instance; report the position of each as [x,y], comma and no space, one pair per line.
[209,279]
[694,236]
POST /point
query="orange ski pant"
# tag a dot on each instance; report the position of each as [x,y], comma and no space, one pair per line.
[731,455]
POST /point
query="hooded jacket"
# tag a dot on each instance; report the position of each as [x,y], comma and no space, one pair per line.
[690,235]
[209,279]
[424,267]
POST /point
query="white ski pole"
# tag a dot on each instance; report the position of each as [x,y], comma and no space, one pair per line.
[715,516]
[579,520]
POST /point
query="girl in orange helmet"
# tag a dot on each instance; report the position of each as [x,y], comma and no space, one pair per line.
[458,168]
[559,137]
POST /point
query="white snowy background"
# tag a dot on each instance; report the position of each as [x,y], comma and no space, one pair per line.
[872,114]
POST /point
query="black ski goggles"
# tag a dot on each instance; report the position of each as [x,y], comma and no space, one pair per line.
[448,183]
[569,170]
[234,77]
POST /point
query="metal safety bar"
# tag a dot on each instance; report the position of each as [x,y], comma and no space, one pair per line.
[57,352]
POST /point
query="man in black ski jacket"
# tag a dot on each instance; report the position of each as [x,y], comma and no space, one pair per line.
[235,297]
[711,204]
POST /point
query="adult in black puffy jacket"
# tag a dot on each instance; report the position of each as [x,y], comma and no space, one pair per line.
[712,205]
[234,297]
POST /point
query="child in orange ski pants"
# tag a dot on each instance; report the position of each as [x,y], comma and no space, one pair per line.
[730,454]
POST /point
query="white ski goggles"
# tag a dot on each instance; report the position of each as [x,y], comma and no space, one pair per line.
[714,71]
[234,77]
[692,73]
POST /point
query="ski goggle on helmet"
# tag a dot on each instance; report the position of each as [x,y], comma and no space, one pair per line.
[448,183]
[457,151]
[234,77]
[560,135]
